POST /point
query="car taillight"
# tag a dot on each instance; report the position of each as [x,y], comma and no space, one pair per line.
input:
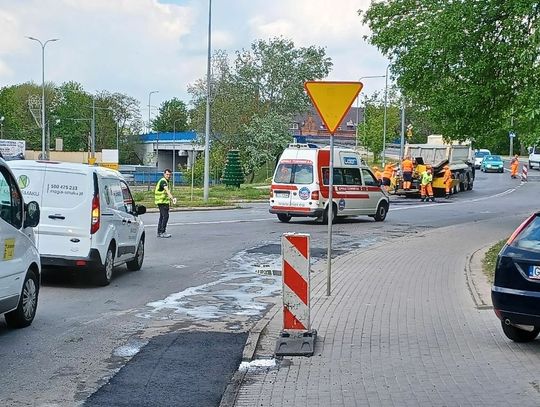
[315,195]
[520,228]
[94,226]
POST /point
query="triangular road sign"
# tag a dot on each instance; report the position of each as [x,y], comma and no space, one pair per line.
[332,100]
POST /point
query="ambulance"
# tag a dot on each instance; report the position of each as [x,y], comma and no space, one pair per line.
[300,185]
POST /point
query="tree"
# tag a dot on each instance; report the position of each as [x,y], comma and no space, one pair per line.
[263,85]
[172,115]
[466,64]
[233,175]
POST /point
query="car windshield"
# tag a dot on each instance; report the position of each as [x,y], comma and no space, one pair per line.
[480,154]
[529,238]
[492,158]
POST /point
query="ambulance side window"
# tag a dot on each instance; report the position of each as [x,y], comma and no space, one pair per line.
[338,177]
[351,176]
[369,178]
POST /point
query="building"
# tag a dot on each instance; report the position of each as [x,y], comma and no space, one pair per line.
[170,150]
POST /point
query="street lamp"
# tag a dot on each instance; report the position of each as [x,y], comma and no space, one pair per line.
[149,127]
[358,105]
[384,120]
[174,149]
[2,127]
[207,123]
[43,44]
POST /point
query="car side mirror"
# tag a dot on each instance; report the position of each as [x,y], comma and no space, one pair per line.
[31,220]
[141,209]
[529,150]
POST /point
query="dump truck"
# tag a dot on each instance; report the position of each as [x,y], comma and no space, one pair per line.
[436,153]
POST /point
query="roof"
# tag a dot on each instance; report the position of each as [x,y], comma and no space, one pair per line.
[179,137]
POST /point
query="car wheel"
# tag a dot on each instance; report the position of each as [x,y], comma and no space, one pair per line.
[26,310]
[519,335]
[382,210]
[136,263]
[325,215]
[104,275]
[283,217]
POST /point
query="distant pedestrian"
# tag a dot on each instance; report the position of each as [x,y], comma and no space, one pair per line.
[426,189]
[514,166]
[163,199]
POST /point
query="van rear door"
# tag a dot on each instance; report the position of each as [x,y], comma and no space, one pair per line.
[64,229]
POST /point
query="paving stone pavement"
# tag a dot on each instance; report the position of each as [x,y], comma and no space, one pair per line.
[401,328]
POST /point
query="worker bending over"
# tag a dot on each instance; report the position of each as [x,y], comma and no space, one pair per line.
[378,174]
[387,176]
[447,180]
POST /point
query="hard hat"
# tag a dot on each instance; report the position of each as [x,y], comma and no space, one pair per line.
[446,167]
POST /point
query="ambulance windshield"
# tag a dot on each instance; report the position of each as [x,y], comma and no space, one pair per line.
[293,173]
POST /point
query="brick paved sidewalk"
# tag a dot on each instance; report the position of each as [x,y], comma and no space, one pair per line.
[401,329]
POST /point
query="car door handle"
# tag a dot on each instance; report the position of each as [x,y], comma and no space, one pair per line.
[57,217]
[126,221]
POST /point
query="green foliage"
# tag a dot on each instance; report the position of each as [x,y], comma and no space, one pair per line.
[172,116]
[470,65]
[233,175]
[254,99]
[490,260]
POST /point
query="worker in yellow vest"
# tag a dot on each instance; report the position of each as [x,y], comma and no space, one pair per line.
[163,199]
[426,189]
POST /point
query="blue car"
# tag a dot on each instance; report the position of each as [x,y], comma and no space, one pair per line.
[516,288]
[492,163]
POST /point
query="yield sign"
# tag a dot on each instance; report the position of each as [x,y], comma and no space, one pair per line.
[333,100]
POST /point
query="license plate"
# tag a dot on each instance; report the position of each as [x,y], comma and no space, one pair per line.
[282,194]
[534,272]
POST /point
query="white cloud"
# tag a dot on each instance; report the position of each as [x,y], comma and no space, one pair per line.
[134,46]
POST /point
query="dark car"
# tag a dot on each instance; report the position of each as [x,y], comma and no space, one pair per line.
[516,289]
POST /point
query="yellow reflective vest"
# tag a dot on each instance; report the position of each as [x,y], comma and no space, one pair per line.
[161,197]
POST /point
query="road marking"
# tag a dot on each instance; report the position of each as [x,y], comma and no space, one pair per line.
[212,222]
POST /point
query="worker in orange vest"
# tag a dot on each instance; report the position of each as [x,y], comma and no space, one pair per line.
[447,180]
[378,174]
[514,165]
[387,175]
[407,169]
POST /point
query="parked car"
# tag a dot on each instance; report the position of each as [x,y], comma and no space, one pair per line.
[479,156]
[89,217]
[534,157]
[20,269]
[516,289]
[492,163]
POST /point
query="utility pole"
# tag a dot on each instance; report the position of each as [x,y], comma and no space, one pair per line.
[207,121]
[93,133]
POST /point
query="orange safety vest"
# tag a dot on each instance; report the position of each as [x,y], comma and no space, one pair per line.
[388,171]
[447,175]
[407,165]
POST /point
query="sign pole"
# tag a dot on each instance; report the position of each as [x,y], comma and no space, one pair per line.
[330,215]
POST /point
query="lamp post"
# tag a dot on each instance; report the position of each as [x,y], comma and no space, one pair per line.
[384,120]
[2,127]
[174,150]
[150,127]
[43,44]
[207,122]
[358,105]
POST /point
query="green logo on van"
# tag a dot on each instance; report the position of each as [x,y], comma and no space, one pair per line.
[23,181]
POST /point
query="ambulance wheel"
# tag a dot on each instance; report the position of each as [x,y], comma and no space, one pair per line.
[382,210]
[325,215]
[283,218]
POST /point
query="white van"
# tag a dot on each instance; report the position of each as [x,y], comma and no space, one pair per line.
[88,216]
[300,185]
[534,157]
[20,269]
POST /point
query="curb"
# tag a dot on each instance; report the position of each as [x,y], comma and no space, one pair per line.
[476,280]
[231,392]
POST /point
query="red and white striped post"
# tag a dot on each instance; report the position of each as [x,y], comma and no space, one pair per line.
[524,173]
[296,338]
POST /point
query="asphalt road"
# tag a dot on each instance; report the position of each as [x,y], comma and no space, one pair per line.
[218,274]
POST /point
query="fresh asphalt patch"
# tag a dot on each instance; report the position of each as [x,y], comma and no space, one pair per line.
[175,369]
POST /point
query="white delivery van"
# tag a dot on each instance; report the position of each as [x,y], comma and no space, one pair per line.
[88,216]
[300,185]
[20,269]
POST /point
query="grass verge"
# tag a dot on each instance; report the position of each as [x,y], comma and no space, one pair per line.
[490,260]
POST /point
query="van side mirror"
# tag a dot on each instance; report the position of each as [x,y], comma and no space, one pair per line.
[31,220]
[141,209]
[530,150]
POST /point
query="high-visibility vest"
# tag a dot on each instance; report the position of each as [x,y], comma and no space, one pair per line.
[447,175]
[161,197]
[426,178]
[407,165]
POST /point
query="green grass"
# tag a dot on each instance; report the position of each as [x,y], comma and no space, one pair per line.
[490,260]
[217,196]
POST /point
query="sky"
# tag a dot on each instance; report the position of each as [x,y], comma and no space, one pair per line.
[139,46]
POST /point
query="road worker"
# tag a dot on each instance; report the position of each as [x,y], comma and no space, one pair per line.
[378,174]
[447,180]
[514,165]
[426,189]
[387,176]
[407,169]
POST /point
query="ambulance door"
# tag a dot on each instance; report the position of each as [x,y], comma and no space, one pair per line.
[282,187]
[373,190]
